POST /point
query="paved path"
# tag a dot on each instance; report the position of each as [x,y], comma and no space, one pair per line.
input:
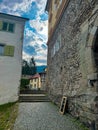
[42,116]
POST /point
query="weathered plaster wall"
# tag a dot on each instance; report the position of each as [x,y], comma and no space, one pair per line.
[55,10]
[10,67]
[72,67]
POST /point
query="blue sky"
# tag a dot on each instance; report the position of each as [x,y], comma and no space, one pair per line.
[36,30]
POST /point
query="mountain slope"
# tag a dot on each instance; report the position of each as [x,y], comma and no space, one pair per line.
[40,68]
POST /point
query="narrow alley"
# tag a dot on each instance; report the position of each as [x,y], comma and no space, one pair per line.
[43,116]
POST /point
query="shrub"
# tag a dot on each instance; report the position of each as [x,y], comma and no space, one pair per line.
[24,83]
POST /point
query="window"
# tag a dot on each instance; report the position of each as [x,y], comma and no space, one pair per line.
[1,49]
[52,52]
[35,80]
[9,50]
[59,40]
[5,26]
[11,27]
[34,85]
[56,46]
[31,81]
[6,50]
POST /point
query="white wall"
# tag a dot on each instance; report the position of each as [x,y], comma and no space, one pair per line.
[10,67]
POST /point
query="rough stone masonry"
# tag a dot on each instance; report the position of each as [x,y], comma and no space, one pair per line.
[73,70]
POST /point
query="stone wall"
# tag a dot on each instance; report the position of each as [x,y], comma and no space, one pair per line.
[72,68]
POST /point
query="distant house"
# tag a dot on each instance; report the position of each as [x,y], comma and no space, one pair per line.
[43,78]
[38,80]
[35,82]
[11,42]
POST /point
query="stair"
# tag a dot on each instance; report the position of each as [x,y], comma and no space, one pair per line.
[33,98]
[32,92]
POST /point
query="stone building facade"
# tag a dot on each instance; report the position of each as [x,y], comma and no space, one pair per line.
[73,57]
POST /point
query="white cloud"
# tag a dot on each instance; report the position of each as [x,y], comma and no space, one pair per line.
[26,56]
[41,26]
[41,6]
[29,33]
[41,63]
[14,6]
[38,48]
[34,38]
[42,56]
[37,43]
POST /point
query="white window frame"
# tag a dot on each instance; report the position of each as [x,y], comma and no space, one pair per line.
[8,26]
[2,49]
[56,46]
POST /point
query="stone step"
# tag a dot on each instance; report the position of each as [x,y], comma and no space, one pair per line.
[33,98]
[27,100]
[32,92]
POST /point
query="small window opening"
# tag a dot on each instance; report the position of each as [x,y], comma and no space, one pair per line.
[96,49]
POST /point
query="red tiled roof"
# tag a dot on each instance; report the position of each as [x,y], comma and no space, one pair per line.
[35,76]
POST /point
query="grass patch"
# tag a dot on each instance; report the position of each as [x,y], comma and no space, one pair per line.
[80,125]
[54,105]
[8,114]
[77,122]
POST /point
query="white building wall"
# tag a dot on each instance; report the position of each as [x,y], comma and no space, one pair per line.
[10,67]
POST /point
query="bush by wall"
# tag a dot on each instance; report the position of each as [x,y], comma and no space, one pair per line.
[24,83]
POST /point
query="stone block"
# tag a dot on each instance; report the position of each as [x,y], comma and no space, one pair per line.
[93,76]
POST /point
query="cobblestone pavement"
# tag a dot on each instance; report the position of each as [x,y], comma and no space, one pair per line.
[42,116]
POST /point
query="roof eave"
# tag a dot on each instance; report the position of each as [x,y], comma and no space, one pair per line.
[18,17]
[47,5]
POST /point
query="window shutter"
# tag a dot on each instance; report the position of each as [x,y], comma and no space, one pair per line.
[9,50]
[1,24]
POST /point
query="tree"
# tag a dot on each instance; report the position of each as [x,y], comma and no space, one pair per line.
[29,68]
[25,67]
[32,66]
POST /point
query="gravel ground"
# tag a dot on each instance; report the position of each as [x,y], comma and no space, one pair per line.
[42,116]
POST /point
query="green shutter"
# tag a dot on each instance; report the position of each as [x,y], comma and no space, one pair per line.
[1,25]
[9,50]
